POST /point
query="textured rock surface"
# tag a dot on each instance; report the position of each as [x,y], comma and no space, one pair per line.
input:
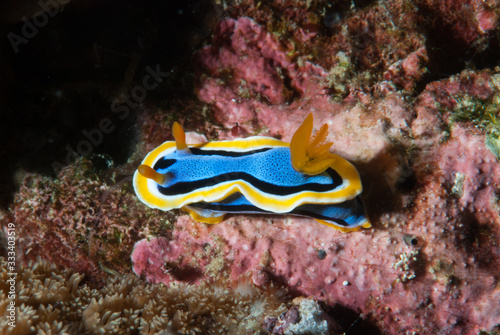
[431,185]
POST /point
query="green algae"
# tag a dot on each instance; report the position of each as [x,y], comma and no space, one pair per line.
[493,143]
[484,114]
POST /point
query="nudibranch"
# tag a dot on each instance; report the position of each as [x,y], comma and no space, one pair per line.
[255,175]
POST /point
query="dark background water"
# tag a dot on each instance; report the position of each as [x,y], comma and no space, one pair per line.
[62,67]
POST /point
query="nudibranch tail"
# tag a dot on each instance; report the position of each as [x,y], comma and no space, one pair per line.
[180,137]
[365,225]
[150,173]
[310,154]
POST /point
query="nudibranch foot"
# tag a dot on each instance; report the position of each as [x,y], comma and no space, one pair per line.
[204,215]
[346,216]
